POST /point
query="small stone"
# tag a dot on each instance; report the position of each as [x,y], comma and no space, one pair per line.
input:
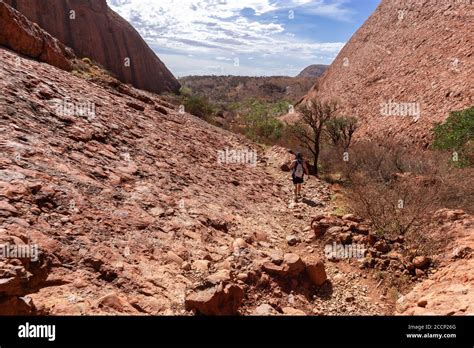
[334,230]
[201,265]
[264,309]
[157,211]
[292,311]
[275,270]
[351,217]
[419,273]
[276,256]
[315,270]
[7,209]
[171,256]
[295,264]
[345,238]
[243,276]
[186,266]
[421,262]
[349,298]
[220,276]
[382,246]
[238,244]
[292,240]
[260,236]
[112,301]
[422,303]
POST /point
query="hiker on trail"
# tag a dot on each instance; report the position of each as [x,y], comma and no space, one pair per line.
[299,169]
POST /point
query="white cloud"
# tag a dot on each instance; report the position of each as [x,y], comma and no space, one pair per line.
[210,31]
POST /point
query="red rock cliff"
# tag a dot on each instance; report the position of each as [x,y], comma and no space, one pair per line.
[410,53]
[95,31]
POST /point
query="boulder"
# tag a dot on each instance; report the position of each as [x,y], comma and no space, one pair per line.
[294,263]
[315,270]
[219,300]
[319,227]
[421,262]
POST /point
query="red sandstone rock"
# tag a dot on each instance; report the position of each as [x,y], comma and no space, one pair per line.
[21,35]
[221,300]
[315,270]
[407,52]
[97,32]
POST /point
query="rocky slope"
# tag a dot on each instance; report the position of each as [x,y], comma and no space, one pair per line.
[93,30]
[315,70]
[408,53]
[132,212]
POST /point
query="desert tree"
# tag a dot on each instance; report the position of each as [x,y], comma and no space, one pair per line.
[314,114]
[340,131]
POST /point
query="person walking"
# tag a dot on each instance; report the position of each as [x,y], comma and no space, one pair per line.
[299,169]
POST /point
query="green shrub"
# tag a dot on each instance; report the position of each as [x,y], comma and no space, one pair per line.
[186,91]
[270,129]
[260,124]
[457,134]
[198,106]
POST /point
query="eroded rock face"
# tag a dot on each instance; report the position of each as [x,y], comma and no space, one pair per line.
[93,30]
[22,36]
[23,270]
[407,52]
[449,290]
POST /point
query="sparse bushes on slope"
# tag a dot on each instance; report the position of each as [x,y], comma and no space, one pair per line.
[397,188]
[378,194]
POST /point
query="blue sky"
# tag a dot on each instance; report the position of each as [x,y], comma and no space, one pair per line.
[245,37]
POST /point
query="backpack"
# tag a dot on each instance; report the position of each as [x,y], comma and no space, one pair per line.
[299,170]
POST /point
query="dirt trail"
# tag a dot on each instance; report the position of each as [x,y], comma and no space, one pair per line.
[349,290]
